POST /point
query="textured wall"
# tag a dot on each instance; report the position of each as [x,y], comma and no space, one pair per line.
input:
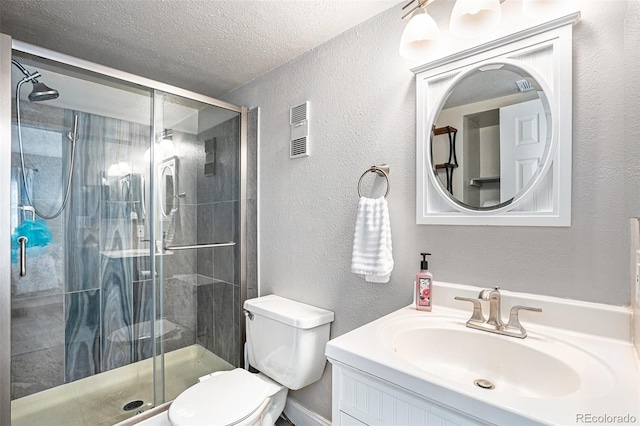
[363,112]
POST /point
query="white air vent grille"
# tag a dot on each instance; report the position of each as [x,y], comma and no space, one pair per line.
[299,121]
[299,113]
[299,147]
[524,86]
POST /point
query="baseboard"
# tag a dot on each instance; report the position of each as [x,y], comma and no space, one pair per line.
[302,416]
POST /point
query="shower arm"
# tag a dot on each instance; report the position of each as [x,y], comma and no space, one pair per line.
[28,77]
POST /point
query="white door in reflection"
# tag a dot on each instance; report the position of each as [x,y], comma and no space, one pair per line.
[523,138]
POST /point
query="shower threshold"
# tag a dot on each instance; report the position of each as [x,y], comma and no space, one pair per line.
[100,400]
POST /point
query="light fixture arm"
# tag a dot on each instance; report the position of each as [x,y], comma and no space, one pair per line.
[418,5]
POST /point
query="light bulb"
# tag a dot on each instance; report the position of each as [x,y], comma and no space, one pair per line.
[419,36]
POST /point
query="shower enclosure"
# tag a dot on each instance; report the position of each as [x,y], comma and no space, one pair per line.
[123,229]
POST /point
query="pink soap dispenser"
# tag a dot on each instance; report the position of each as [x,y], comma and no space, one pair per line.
[423,285]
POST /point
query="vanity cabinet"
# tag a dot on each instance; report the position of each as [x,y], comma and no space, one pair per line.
[362,399]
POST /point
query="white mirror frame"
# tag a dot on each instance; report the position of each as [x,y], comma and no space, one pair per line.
[546,161]
[545,51]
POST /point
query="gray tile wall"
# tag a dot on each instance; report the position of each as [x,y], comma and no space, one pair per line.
[253,117]
[217,218]
[37,311]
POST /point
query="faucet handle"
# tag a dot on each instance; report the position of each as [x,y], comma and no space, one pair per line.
[514,320]
[477,315]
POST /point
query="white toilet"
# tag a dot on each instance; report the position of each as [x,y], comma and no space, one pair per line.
[285,342]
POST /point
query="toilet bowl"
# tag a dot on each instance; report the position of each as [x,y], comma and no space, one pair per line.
[235,397]
[285,342]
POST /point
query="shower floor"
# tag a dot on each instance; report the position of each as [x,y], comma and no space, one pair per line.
[99,400]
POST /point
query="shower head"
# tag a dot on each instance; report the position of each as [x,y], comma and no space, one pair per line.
[42,92]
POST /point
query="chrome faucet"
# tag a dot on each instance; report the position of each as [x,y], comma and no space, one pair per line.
[494,298]
[494,323]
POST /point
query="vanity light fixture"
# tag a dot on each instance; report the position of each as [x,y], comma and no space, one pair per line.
[420,34]
[469,18]
[118,169]
[165,145]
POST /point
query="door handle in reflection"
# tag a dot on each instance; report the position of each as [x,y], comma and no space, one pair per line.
[23,255]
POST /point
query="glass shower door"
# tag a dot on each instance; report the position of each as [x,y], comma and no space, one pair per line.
[81,287]
[124,212]
[197,163]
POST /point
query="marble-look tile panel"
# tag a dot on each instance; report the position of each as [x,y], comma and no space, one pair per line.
[225,184]
[82,335]
[36,371]
[180,308]
[181,262]
[45,272]
[142,316]
[224,264]
[185,225]
[252,249]
[205,235]
[37,344]
[37,323]
[189,152]
[82,215]
[225,216]
[253,116]
[205,261]
[237,353]
[206,214]
[46,178]
[117,288]
[205,325]
[224,319]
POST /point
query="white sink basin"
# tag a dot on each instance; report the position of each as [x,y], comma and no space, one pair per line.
[534,367]
[576,359]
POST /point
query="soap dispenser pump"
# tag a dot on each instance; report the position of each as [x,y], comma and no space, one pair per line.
[423,285]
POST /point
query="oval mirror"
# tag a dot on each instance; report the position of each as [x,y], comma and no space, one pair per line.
[168,183]
[492,136]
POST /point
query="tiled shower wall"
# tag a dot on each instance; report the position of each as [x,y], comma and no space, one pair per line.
[202,287]
[37,308]
[99,221]
[82,325]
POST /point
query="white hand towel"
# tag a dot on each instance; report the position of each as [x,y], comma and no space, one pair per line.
[372,256]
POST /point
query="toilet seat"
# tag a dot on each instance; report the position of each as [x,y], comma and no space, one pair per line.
[224,399]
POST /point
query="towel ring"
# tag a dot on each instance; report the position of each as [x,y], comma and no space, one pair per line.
[380,171]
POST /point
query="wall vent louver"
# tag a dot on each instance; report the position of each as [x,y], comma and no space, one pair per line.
[524,86]
[299,121]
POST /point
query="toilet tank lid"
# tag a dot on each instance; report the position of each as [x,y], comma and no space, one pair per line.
[290,312]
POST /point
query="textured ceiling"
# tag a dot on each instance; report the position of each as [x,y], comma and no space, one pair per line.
[210,47]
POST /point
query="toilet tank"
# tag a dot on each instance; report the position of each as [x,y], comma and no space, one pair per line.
[286,339]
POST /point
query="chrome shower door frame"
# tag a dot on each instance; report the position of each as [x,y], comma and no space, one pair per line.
[5,237]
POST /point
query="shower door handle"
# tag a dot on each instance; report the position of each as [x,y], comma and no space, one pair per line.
[23,255]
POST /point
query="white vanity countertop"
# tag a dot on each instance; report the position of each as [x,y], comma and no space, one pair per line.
[613,389]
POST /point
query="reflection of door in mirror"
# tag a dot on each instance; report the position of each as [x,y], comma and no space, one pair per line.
[523,139]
